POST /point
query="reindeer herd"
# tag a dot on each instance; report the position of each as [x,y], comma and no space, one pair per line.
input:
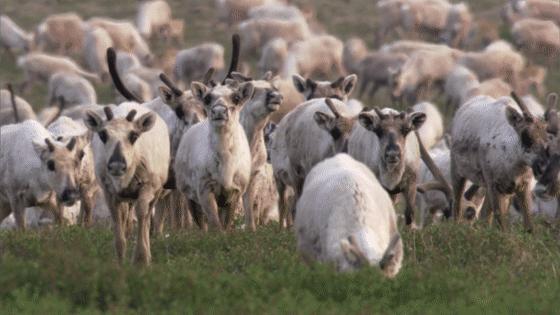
[190,143]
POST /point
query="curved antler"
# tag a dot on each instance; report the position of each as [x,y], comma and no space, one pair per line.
[112,64]
[208,76]
[433,168]
[378,112]
[331,106]
[522,105]
[61,106]
[108,113]
[236,45]
[13,100]
[167,81]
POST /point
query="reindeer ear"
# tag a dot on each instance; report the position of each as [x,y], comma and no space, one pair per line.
[349,83]
[93,122]
[42,148]
[514,118]
[245,92]
[417,119]
[199,90]
[145,122]
[323,120]
[367,120]
[299,83]
[165,94]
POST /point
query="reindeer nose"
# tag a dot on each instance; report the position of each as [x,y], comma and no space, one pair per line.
[117,162]
[393,154]
[219,113]
[116,168]
[69,196]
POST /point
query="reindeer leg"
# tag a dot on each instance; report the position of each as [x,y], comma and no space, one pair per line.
[558,210]
[5,210]
[524,197]
[162,207]
[210,208]
[119,227]
[86,207]
[197,214]
[458,184]
[187,218]
[143,205]
[249,204]
[499,204]
[234,204]
[410,200]
[18,209]
[177,211]
[282,204]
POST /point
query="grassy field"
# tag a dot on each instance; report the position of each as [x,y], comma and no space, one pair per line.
[448,269]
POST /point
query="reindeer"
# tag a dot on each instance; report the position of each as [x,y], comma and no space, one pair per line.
[500,148]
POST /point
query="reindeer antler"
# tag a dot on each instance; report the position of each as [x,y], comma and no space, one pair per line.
[331,106]
[167,81]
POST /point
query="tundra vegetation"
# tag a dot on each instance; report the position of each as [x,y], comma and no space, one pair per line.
[468,267]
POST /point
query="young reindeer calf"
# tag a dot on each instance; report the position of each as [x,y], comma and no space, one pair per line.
[131,152]
[213,161]
[261,196]
[386,143]
[36,170]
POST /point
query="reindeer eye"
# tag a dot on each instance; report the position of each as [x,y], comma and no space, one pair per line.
[50,165]
[336,133]
[207,99]
[235,98]
[179,112]
[81,155]
[103,136]
[133,136]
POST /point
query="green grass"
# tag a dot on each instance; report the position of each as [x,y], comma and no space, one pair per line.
[447,269]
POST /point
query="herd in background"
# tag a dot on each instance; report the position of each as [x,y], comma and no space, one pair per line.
[184,147]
